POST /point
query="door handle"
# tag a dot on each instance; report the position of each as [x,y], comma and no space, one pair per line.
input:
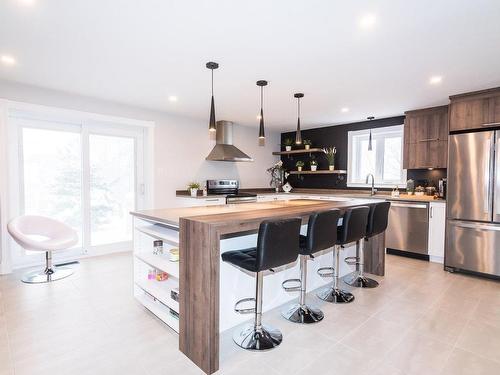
[479,227]
[422,206]
[487,167]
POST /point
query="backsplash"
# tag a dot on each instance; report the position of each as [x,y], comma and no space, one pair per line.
[337,136]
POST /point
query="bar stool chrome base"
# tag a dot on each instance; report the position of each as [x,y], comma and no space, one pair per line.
[359,281]
[250,338]
[303,314]
[335,295]
[46,276]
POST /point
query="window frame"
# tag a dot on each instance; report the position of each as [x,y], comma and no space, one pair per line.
[18,116]
[378,136]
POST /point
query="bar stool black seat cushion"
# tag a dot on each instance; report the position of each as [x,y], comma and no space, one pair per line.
[321,232]
[277,245]
[378,218]
[245,258]
[354,225]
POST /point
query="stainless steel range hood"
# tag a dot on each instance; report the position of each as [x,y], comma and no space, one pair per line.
[224,149]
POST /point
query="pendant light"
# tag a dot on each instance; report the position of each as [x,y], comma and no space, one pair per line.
[211,125]
[298,135]
[261,84]
[370,137]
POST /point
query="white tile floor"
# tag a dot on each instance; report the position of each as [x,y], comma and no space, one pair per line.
[421,320]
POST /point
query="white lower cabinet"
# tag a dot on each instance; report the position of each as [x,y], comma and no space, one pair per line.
[437,225]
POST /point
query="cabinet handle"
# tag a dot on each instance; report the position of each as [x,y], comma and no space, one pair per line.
[491,124]
[428,140]
[212,200]
[431,211]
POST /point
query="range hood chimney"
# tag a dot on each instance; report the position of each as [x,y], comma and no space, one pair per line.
[224,149]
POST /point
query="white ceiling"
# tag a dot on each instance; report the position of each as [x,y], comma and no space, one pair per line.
[141,52]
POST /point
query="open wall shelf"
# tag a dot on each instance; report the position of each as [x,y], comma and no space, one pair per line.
[298,152]
[326,171]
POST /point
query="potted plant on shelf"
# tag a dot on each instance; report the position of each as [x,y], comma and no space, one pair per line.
[193,188]
[314,165]
[288,142]
[307,143]
[330,157]
[299,165]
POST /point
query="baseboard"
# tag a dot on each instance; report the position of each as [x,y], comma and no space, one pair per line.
[408,254]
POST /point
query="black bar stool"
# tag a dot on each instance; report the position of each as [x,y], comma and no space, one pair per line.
[353,229]
[320,236]
[377,223]
[277,245]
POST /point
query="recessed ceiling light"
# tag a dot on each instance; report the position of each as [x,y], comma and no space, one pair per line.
[172,98]
[434,80]
[367,21]
[7,60]
[345,109]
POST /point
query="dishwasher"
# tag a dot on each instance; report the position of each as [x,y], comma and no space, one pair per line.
[408,229]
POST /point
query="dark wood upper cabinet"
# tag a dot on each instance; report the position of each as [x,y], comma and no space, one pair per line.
[426,138]
[475,110]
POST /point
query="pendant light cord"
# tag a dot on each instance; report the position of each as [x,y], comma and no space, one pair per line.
[212,82]
[261,97]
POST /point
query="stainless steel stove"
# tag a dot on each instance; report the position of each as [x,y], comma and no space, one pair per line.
[230,188]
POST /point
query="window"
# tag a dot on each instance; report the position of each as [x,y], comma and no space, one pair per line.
[384,161]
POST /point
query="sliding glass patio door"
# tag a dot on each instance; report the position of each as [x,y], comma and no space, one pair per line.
[88,175]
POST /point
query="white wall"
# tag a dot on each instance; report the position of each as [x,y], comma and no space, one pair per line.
[181,144]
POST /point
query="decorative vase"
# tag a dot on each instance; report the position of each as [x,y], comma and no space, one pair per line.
[299,169]
[288,148]
[314,167]
[331,167]
[194,192]
[307,147]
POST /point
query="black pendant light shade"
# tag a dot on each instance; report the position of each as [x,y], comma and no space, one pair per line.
[262,133]
[370,137]
[211,124]
[298,134]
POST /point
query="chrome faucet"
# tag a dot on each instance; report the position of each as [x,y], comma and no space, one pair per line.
[373,191]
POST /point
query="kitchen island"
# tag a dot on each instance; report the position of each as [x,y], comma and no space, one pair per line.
[205,232]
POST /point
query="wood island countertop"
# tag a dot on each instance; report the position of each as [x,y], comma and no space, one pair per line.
[231,214]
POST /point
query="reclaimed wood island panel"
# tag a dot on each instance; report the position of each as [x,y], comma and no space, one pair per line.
[201,230]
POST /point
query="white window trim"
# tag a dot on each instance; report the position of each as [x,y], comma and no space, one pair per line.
[375,131]
[10,189]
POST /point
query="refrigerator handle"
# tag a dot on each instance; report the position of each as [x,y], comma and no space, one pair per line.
[487,175]
[496,177]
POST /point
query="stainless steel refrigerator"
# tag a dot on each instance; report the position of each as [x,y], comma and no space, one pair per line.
[473,201]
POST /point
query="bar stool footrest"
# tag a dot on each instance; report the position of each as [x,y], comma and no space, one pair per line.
[295,288]
[353,261]
[244,310]
[323,272]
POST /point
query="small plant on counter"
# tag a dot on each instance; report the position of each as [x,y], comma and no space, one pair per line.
[299,165]
[193,188]
[288,142]
[314,165]
[307,143]
[330,156]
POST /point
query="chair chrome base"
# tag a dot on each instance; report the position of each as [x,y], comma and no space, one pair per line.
[250,338]
[335,295]
[46,276]
[303,314]
[360,281]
